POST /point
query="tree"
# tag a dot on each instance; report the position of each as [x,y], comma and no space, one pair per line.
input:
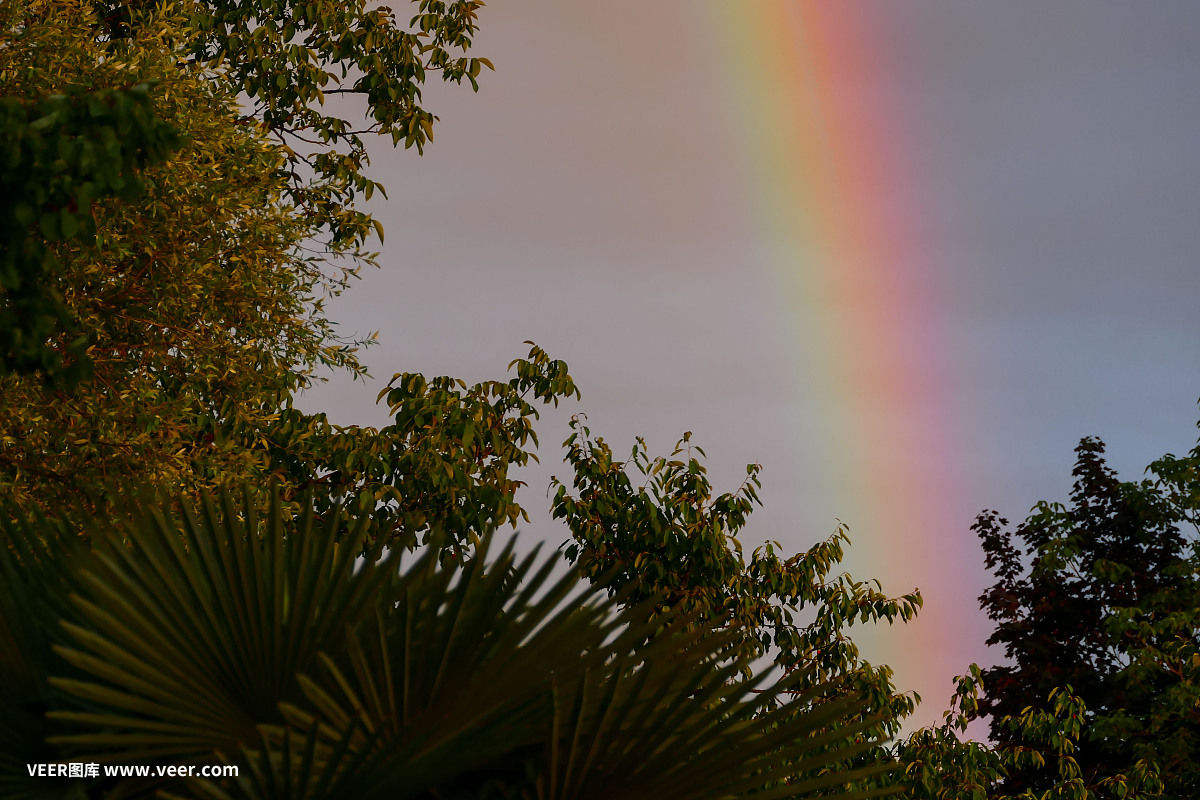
[1109,604]
[200,300]
[289,57]
[938,765]
[672,541]
[443,463]
[1100,619]
[226,635]
[60,153]
[196,298]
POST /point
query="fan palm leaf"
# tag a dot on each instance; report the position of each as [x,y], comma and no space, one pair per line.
[326,667]
[35,560]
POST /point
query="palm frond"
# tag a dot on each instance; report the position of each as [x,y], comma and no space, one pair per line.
[36,559]
[326,667]
[194,630]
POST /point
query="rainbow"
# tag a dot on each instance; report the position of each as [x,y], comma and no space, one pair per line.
[824,150]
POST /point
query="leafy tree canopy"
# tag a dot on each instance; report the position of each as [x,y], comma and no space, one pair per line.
[65,144]
[63,152]
[197,296]
[200,300]
[940,765]
[289,57]
[1097,605]
[652,529]
[1104,595]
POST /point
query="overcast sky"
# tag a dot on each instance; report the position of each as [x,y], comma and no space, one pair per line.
[594,197]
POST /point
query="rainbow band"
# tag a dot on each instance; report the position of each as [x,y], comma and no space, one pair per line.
[825,149]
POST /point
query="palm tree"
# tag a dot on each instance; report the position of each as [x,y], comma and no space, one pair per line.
[323,665]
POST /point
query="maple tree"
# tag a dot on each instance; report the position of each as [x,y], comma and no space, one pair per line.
[1103,595]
